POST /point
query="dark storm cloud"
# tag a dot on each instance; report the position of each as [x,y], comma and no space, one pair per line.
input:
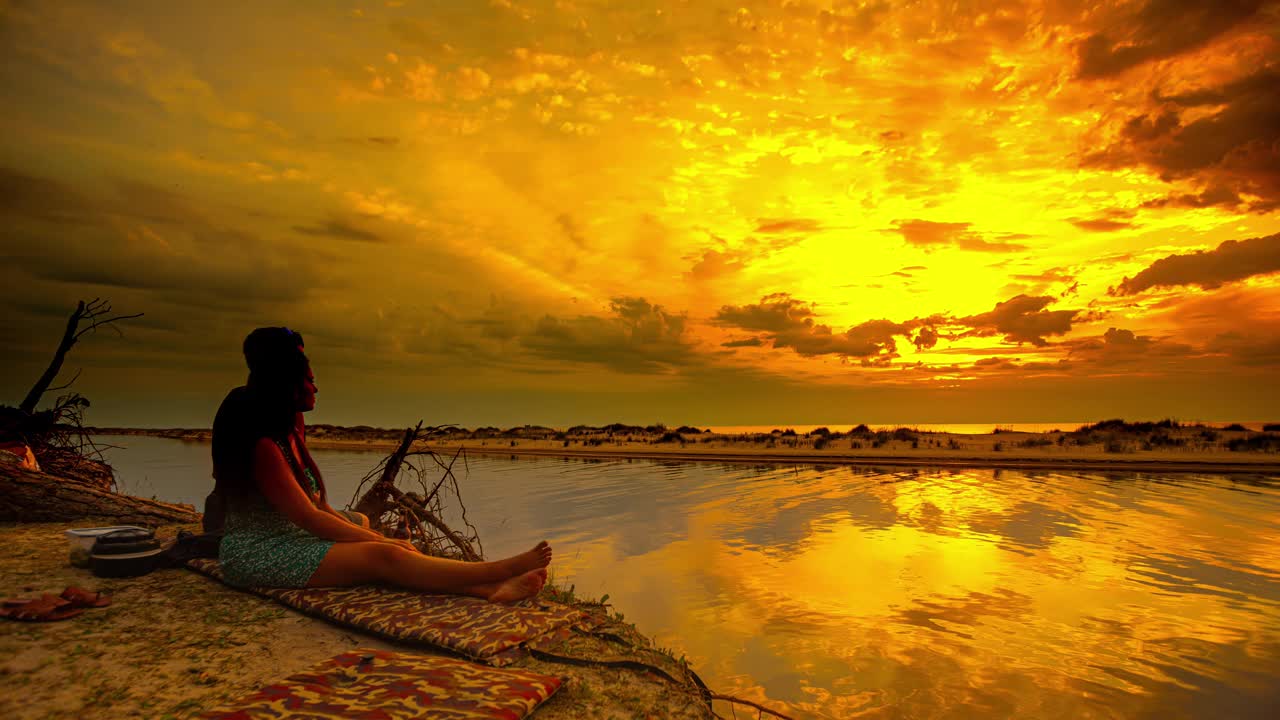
[1232,260]
[749,342]
[439,332]
[152,203]
[1020,319]
[994,363]
[927,234]
[1123,347]
[925,339]
[214,280]
[340,230]
[37,198]
[774,313]
[1121,338]
[789,323]
[1238,320]
[1258,347]
[496,325]
[1231,143]
[1160,29]
[1115,341]
[639,337]
[874,337]
[1217,195]
[141,236]
[634,336]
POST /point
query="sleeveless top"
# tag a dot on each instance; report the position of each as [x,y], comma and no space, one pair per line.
[301,472]
[262,547]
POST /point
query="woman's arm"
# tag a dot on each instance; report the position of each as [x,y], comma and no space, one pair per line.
[281,489]
[300,433]
[325,506]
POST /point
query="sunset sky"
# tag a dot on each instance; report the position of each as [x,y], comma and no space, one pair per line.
[505,212]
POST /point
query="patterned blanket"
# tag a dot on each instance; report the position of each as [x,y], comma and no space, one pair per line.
[395,686]
[492,633]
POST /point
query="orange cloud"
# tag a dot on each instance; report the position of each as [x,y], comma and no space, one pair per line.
[789,323]
[1160,29]
[1021,319]
[1232,260]
[1225,137]
[927,234]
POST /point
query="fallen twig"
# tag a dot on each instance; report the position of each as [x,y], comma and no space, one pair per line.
[759,708]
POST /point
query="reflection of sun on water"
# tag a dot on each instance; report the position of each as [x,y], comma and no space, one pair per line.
[956,594]
[855,572]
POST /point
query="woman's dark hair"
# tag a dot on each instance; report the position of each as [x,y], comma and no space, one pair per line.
[266,406]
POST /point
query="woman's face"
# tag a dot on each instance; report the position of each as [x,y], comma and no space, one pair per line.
[307,396]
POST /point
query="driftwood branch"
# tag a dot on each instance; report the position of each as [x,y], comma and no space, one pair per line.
[29,496]
[375,503]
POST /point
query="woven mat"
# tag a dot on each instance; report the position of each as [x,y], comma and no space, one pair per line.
[492,633]
[395,686]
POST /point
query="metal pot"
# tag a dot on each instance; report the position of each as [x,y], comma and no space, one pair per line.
[124,553]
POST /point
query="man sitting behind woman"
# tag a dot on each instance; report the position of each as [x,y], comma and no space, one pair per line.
[279,529]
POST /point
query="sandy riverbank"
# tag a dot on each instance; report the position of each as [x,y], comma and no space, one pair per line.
[1107,446]
[174,643]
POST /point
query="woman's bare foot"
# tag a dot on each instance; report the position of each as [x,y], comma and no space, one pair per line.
[538,557]
[520,587]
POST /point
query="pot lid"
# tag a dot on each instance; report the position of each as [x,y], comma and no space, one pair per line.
[124,536]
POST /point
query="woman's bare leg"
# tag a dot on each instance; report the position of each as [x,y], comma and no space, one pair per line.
[356,563]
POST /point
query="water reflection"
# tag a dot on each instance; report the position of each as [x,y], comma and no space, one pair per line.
[910,592]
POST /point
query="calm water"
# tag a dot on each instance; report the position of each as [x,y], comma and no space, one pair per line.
[899,594]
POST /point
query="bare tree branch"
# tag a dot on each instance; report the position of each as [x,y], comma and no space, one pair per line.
[66,384]
[93,312]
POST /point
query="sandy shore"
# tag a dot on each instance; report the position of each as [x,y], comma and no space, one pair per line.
[174,643]
[939,450]
[1209,463]
[1127,448]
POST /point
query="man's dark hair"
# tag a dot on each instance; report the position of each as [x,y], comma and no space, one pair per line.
[266,406]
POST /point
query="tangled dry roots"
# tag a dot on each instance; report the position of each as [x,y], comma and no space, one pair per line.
[419,516]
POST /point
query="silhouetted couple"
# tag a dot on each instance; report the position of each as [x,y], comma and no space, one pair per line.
[270,499]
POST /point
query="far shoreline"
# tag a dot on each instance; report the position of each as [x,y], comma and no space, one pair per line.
[1111,446]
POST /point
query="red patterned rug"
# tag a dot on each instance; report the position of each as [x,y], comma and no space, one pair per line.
[369,685]
[492,633]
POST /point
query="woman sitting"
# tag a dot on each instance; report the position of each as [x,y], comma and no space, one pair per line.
[279,528]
